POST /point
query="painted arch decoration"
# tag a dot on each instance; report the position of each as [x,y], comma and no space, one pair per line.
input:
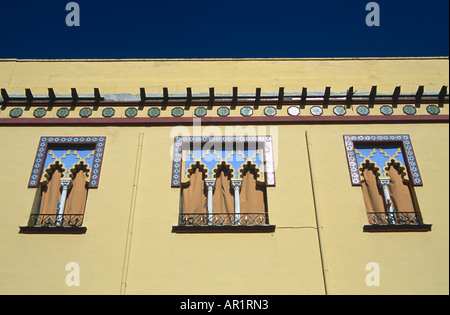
[233,153]
[381,150]
[71,154]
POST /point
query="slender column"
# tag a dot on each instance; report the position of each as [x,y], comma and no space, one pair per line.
[236,184]
[384,182]
[65,184]
[210,184]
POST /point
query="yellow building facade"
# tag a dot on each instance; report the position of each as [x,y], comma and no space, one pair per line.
[311,131]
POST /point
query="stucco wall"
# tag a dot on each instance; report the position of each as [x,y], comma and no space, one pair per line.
[287,261]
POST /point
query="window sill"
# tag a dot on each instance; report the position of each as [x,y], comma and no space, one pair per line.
[223,229]
[52,229]
[397,228]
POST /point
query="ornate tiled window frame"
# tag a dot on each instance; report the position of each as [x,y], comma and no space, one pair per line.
[264,141]
[39,161]
[414,223]
[407,150]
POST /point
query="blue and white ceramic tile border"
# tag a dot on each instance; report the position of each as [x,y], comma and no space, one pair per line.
[411,163]
[39,160]
[178,153]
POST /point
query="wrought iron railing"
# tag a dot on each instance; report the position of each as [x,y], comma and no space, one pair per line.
[394,218]
[55,220]
[223,219]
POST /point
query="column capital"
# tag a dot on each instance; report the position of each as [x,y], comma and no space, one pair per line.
[236,183]
[210,183]
[384,181]
[66,182]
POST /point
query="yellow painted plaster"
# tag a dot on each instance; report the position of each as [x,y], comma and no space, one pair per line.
[284,262]
[127,76]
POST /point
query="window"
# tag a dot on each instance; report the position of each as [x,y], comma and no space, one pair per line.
[386,169]
[64,170]
[223,182]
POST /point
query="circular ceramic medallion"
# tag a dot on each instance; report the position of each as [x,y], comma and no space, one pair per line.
[339,110]
[293,111]
[270,111]
[154,112]
[131,112]
[177,112]
[85,112]
[16,112]
[223,111]
[200,112]
[409,110]
[316,110]
[363,110]
[39,112]
[386,110]
[108,112]
[433,109]
[246,111]
[63,112]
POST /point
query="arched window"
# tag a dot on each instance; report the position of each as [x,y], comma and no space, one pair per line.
[223,181]
[386,169]
[252,197]
[372,193]
[77,195]
[63,200]
[194,191]
[400,189]
[64,169]
[50,197]
[223,197]
[389,199]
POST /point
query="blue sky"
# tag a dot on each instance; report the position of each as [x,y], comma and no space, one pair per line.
[223,29]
